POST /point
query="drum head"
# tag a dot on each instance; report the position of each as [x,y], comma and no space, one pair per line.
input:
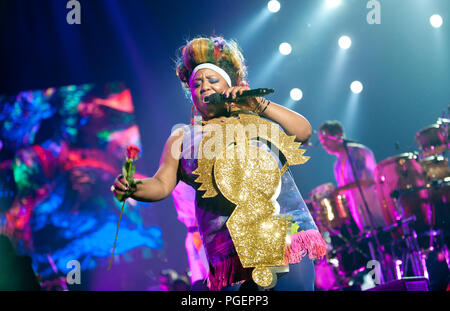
[400,172]
[432,139]
[321,191]
[435,167]
[404,174]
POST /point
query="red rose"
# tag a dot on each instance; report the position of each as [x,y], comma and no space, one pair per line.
[132,152]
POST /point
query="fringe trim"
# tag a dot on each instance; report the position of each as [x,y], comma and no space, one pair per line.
[228,272]
[302,243]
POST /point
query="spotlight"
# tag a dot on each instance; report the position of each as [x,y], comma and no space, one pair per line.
[285,48]
[273,6]
[345,42]
[436,21]
[356,87]
[333,3]
[296,94]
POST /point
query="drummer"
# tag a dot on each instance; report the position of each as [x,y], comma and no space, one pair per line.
[331,137]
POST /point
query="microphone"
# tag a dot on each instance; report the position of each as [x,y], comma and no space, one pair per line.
[348,141]
[339,139]
[218,98]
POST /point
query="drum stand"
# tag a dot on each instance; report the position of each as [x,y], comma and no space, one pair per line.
[412,256]
[415,254]
[373,233]
[348,245]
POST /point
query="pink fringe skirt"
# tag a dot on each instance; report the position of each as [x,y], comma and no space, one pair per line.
[231,272]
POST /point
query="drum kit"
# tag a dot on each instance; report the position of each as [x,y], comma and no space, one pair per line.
[413,190]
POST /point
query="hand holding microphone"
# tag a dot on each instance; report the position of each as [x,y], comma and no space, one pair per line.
[240,98]
[237,94]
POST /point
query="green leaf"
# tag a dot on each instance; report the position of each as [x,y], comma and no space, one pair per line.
[124,172]
[120,197]
[294,228]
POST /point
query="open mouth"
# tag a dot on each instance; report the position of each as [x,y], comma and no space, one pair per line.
[205,97]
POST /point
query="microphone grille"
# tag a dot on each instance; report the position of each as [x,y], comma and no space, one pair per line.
[214,99]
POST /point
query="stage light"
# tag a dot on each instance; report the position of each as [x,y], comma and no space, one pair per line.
[285,48]
[345,42]
[356,87]
[436,21]
[246,33]
[334,262]
[271,65]
[296,94]
[273,6]
[333,3]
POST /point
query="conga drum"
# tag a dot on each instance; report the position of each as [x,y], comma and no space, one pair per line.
[403,174]
[434,143]
[438,178]
[329,207]
[435,167]
[356,196]
[433,139]
[333,215]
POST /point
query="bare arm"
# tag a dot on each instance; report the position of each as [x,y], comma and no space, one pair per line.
[292,122]
[159,186]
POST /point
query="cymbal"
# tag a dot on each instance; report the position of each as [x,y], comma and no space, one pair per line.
[443,120]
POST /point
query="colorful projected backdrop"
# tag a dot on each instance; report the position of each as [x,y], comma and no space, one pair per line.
[60,150]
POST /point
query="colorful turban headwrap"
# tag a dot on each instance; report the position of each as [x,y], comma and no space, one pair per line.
[214,50]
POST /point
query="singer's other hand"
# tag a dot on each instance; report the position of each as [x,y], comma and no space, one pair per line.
[120,186]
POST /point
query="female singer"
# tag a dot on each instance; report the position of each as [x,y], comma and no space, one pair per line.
[214,65]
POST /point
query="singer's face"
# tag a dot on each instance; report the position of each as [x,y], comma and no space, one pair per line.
[331,145]
[206,82]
